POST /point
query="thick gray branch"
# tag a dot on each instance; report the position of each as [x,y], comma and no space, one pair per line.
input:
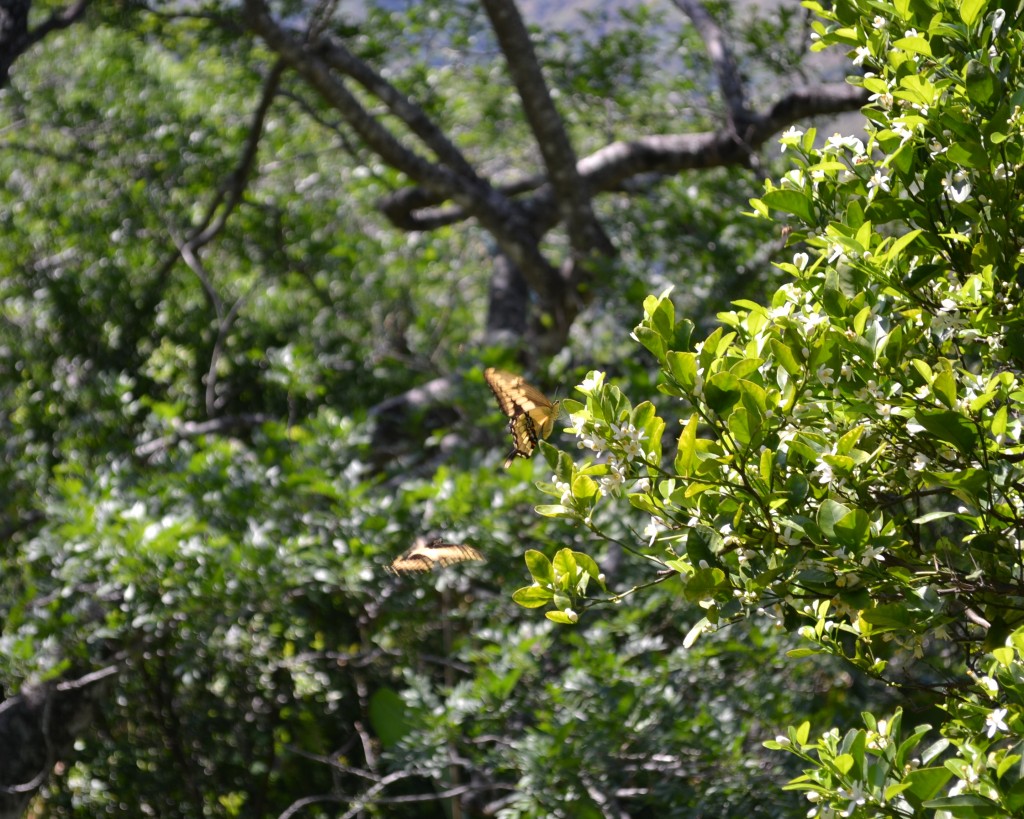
[501,217]
[345,62]
[721,58]
[614,166]
[574,202]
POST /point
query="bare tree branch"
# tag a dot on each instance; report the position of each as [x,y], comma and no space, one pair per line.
[501,217]
[609,168]
[574,200]
[345,62]
[612,167]
[216,216]
[193,429]
[721,58]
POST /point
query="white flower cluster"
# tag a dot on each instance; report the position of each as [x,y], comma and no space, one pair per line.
[621,443]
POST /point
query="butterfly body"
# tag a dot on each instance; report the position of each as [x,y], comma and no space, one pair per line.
[531,416]
[425,554]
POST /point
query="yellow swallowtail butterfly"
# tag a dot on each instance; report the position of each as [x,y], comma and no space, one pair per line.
[531,416]
[424,555]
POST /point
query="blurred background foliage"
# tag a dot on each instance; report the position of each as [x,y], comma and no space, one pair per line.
[237,577]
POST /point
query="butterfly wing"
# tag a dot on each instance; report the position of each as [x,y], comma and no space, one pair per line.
[424,555]
[524,438]
[531,415]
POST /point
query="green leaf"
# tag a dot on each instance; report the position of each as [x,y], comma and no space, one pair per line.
[584,487]
[539,566]
[950,427]
[702,543]
[588,564]
[853,530]
[660,315]
[722,391]
[917,45]
[894,616]
[765,466]
[849,440]
[944,387]
[686,448]
[683,367]
[743,427]
[532,597]
[784,355]
[695,631]
[703,584]
[964,800]
[928,518]
[844,762]
[389,717]
[970,9]
[643,502]
[830,513]
[790,201]
[564,563]
[650,339]
[555,510]
[981,83]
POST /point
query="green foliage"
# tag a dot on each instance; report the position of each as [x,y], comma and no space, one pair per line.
[849,458]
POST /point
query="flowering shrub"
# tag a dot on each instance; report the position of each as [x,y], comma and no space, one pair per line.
[848,459]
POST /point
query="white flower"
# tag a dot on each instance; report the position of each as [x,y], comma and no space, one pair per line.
[994,722]
[825,473]
[836,252]
[615,478]
[861,54]
[698,385]
[879,22]
[592,382]
[997,22]
[856,796]
[793,179]
[791,136]
[957,186]
[651,531]
[589,442]
[903,131]
[991,686]
[851,143]
[884,99]
[787,538]
[879,181]
[800,260]
[630,439]
[872,553]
